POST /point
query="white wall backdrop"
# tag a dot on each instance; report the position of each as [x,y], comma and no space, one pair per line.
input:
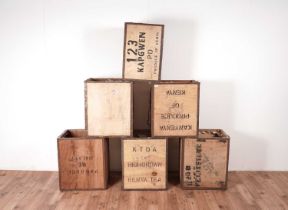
[237,49]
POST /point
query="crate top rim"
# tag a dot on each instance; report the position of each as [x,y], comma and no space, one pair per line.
[107,80]
[143,138]
[202,135]
[142,80]
[224,134]
[69,134]
[148,24]
[176,82]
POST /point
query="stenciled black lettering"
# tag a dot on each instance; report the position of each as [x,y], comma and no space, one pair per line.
[148,164]
[168,116]
[175,127]
[137,51]
[197,168]
[175,92]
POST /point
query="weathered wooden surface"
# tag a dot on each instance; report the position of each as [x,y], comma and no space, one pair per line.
[175,108]
[83,161]
[144,163]
[108,105]
[204,160]
[142,54]
[29,190]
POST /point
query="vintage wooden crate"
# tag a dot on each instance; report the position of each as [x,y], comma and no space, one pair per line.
[82,161]
[175,108]
[144,164]
[142,56]
[204,160]
[109,107]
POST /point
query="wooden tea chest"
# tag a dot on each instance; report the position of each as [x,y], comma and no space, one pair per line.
[142,56]
[204,160]
[175,108]
[82,161]
[109,107]
[144,164]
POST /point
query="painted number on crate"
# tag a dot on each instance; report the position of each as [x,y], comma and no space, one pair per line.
[136,51]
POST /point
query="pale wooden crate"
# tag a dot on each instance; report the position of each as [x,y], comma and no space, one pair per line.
[144,164]
[142,54]
[204,160]
[109,107]
[175,108]
[82,161]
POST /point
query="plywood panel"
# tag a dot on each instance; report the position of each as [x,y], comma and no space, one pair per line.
[108,108]
[175,109]
[144,163]
[82,161]
[205,162]
[142,51]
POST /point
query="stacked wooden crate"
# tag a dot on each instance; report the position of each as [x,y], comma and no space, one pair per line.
[144,111]
[82,160]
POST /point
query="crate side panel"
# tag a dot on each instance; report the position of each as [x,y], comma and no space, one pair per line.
[142,54]
[204,163]
[175,110]
[109,109]
[144,164]
[82,164]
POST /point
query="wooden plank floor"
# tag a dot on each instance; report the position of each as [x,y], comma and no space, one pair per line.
[246,190]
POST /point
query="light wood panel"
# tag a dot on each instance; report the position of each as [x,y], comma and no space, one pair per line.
[175,108]
[143,45]
[206,168]
[247,190]
[204,160]
[108,105]
[144,163]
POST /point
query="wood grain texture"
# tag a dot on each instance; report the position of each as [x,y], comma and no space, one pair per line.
[175,108]
[108,107]
[142,54]
[29,190]
[83,161]
[204,161]
[144,163]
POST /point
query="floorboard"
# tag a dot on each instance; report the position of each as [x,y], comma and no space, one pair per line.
[246,190]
